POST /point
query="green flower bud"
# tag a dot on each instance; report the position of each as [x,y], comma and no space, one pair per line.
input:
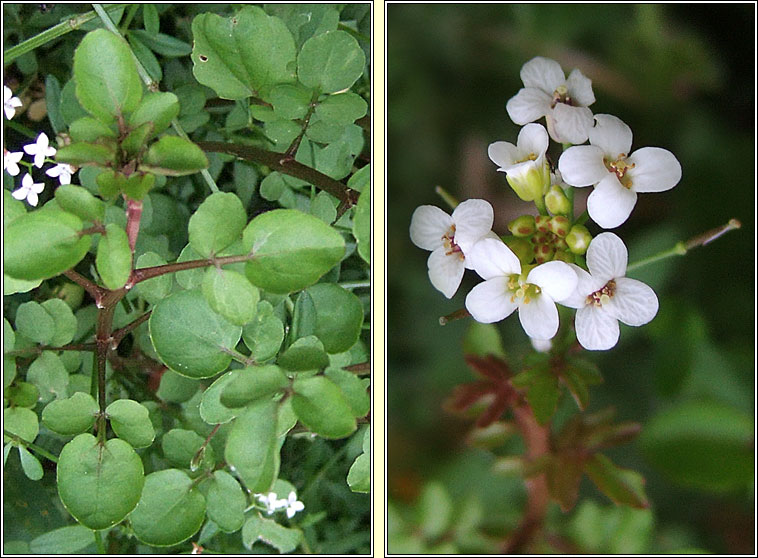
[543,253]
[563,256]
[559,226]
[556,201]
[531,181]
[578,239]
[542,222]
[521,247]
[522,226]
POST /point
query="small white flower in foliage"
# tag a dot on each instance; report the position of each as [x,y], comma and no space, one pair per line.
[293,505]
[62,172]
[40,149]
[617,175]
[525,164]
[28,190]
[563,102]
[505,289]
[10,103]
[10,162]
[270,501]
[450,237]
[603,297]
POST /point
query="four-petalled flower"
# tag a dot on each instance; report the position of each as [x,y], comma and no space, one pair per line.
[506,288]
[10,103]
[62,171]
[563,102]
[28,190]
[525,164]
[10,162]
[603,297]
[40,149]
[617,175]
[293,505]
[450,238]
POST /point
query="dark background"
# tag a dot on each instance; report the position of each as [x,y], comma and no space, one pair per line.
[683,78]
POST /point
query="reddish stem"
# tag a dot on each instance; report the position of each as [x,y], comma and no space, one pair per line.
[133,216]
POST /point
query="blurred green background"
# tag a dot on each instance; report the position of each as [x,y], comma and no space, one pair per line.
[682,77]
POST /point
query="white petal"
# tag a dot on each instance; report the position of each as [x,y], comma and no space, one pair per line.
[655,170]
[32,198]
[490,301]
[533,139]
[634,303]
[466,261]
[611,135]
[596,329]
[428,225]
[21,193]
[490,258]
[610,204]
[555,278]
[580,88]
[503,154]
[582,165]
[445,271]
[607,257]
[37,187]
[528,105]
[473,220]
[586,285]
[571,124]
[539,317]
[542,73]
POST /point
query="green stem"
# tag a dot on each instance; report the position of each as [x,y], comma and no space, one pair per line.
[129,17]
[355,284]
[21,129]
[32,446]
[582,219]
[99,542]
[447,197]
[540,203]
[48,35]
[681,247]
[570,197]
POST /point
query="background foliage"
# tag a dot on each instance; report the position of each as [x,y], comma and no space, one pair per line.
[682,77]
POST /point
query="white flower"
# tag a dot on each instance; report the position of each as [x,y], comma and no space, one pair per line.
[449,238]
[541,345]
[505,289]
[10,103]
[603,297]
[10,162]
[62,171]
[617,176]
[40,149]
[525,164]
[28,190]
[563,102]
[293,505]
[271,502]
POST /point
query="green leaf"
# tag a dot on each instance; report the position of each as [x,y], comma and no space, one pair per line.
[89,130]
[252,447]
[284,539]
[701,444]
[251,383]
[359,475]
[151,19]
[189,337]
[65,321]
[131,422]
[291,250]
[264,335]
[290,100]
[180,447]
[110,183]
[30,464]
[324,207]
[53,103]
[163,44]
[216,224]
[174,156]
[211,409]
[71,416]
[189,278]
[306,353]
[21,422]
[49,375]
[226,502]
[156,289]
[352,388]
[170,510]
[330,62]
[240,56]
[339,316]
[22,394]
[435,510]
[99,484]
[563,476]
[362,225]
[80,202]
[42,244]
[343,108]
[623,486]
[230,294]
[107,82]
[321,406]
[303,317]
[483,340]
[34,322]
[82,153]
[176,388]
[114,257]
[64,540]
[543,396]
[160,108]
[138,185]
[135,141]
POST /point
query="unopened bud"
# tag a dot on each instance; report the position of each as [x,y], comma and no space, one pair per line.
[542,222]
[522,226]
[578,239]
[543,253]
[530,181]
[556,201]
[521,247]
[564,256]
[559,226]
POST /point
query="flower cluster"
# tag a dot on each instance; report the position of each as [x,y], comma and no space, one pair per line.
[273,503]
[552,258]
[40,150]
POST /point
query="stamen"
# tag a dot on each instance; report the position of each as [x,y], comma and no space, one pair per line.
[603,296]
